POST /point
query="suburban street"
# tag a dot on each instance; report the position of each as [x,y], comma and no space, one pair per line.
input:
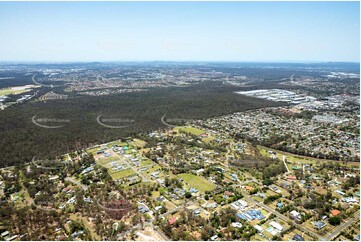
[329,237]
[72,180]
[144,179]
[284,218]
[341,227]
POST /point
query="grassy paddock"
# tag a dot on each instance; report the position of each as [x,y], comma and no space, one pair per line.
[299,158]
[118,143]
[9,91]
[195,131]
[198,182]
[106,160]
[192,130]
[121,174]
[138,143]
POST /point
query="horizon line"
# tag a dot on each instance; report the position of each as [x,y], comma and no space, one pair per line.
[179,61]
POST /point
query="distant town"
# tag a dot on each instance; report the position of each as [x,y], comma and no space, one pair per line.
[221,153]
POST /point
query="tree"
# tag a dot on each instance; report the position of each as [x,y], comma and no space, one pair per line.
[336,220]
[188,195]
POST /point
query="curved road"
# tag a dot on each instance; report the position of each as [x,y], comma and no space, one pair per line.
[329,237]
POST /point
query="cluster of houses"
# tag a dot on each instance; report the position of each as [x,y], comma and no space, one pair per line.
[251,214]
[115,166]
[7,236]
[318,139]
[143,208]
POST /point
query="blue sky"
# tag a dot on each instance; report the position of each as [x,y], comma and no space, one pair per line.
[180,31]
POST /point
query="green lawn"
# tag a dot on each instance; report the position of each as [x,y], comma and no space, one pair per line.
[118,143]
[106,160]
[8,91]
[208,139]
[121,174]
[192,130]
[93,150]
[195,131]
[153,168]
[293,158]
[270,193]
[138,143]
[146,162]
[198,182]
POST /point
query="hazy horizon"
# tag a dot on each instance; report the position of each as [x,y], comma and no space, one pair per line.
[180,31]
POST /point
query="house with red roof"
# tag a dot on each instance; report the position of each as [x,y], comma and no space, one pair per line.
[172,220]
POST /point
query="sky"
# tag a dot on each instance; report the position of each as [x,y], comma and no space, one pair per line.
[180,31]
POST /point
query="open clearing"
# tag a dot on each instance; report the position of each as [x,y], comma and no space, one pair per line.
[198,182]
[106,160]
[138,143]
[16,90]
[293,158]
[121,174]
[8,91]
[117,143]
[195,131]
[192,130]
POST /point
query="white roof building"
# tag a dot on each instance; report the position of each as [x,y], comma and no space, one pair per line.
[243,203]
[295,214]
[259,228]
[237,225]
[214,237]
[349,200]
[234,206]
[276,225]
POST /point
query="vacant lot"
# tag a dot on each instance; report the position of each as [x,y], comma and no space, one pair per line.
[139,143]
[195,131]
[191,130]
[104,161]
[121,174]
[198,182]
[294,159]
[117,143]
[9,91]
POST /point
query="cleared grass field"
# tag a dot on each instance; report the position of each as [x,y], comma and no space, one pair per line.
[138,185]
[93,150]
[208,139]
[270,193]
[138,143]
[121,174]
[298,158]
[9,91]
[154,168]
[146,162]
[195,131]
[106,160]
[198,182]
[192,130]
[118,143]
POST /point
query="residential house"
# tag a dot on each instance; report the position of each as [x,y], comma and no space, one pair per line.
[295,215]
[160,198]
[237,224]
[279,205]
[298,237]
[172,220]
[193,190]
[143,209]
[214,237]
[276,225]
[335,212]
[320,224]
